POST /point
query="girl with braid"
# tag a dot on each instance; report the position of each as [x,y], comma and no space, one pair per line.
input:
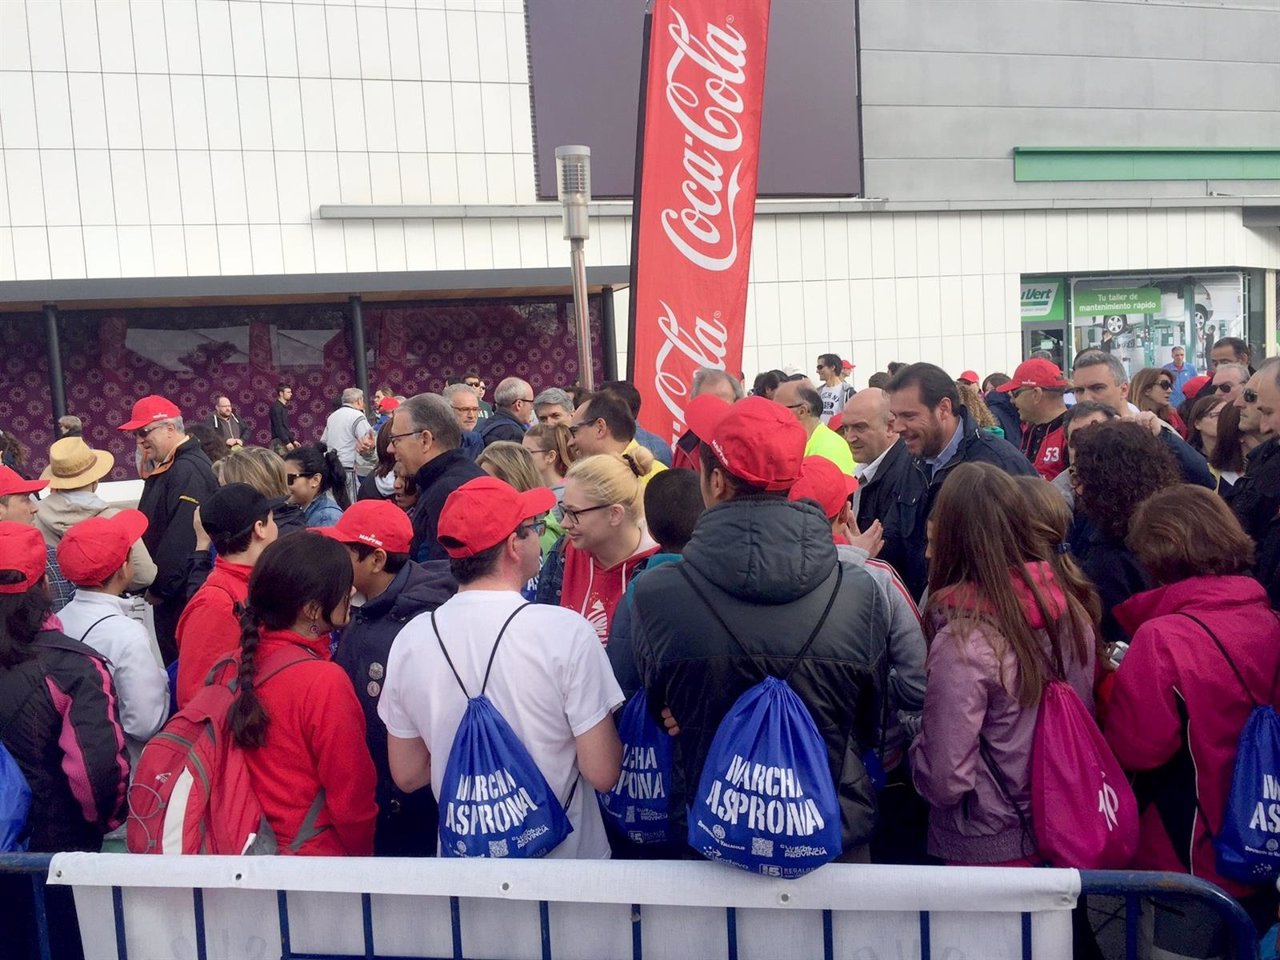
[297,716]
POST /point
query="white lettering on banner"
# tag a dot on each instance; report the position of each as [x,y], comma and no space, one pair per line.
[722,55]
[706,348]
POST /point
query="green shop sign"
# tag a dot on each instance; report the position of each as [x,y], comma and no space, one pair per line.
[1042,300]
[1105,302]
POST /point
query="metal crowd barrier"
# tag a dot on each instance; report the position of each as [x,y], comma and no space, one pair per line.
[208,908]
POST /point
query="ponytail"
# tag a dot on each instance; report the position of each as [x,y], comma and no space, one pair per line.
[334,478]
[248,718]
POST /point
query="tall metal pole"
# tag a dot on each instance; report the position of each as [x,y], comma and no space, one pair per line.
[581,313]
[357,347]
[608,334]
[635,190]
[56,386]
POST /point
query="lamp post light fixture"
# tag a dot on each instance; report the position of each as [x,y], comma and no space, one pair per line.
[573,178]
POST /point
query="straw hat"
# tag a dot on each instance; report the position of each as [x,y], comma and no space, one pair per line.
[73,463]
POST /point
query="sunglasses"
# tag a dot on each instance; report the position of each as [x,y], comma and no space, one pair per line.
[1250,396]
[291,478]
[147,431]
[1225,387]
[1164,384]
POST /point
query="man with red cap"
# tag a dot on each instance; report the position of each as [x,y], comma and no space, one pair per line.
[95,556]
[395,589]
[767,567]
[550,678]
[178,479]
[1037,390]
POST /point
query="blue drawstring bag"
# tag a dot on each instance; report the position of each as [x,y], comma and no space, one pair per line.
[766,799]
[15,804]
[494,801]
[639,803]
[1248,845]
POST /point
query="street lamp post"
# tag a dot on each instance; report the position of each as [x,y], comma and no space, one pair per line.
[573,176]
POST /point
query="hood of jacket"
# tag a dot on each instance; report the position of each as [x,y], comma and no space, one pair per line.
[57,513]
[965,597]
[765,549]
[417,588]
[1198,594]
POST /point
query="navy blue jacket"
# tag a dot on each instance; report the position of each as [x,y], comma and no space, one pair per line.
[407,822]
[501,426]
[436,480]
[1002,409]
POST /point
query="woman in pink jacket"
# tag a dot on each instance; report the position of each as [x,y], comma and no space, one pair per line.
[1003,606]
[1178,706]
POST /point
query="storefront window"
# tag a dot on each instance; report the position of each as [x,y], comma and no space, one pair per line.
[26,407]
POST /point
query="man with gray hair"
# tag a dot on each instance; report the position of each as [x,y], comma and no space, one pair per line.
[349,434]
[684,454]
[553,406]
[513,411]
[466,408]
[425,438]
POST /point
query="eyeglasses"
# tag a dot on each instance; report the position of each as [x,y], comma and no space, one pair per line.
[575,427]
[539,451]
[147,431]
[537,528]
[523,400]
[400,436]
[1250,396]
[1226,387]
[473,411]
[796,406]
[572,516]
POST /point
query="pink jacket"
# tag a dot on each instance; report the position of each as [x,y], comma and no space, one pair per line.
[968,702]
[1173,670]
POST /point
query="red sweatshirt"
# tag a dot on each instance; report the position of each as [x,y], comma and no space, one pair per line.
[593,590]
[315,742]
[209,628]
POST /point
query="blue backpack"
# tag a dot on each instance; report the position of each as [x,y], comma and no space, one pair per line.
[1248,845]
[766,800]
[494,801]
[639,803]
[15,796]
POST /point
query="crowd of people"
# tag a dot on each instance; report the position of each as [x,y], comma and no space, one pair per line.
[921,558]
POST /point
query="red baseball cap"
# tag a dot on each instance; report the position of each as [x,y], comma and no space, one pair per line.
[1036,373]
[836,422]
[755,439]
[150,410]
[969,376]
[846,365]
[375,523]
[387,404]
[92,550]
[12,484]
[485,511]
[823,481]
[22,549]
[1195,385]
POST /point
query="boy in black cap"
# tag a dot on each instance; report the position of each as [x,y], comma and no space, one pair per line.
[238,521]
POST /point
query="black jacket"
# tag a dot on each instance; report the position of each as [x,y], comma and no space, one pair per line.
[280,430]
[1256,502]
[1117,574]
[169,500]
[288,518]
[436,480]
[407,822]
[501,426]
[769,567]
[60,721]
[893,497]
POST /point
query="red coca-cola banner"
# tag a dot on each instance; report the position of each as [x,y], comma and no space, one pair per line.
[697,198]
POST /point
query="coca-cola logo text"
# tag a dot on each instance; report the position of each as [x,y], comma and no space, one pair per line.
[705,231]
[705,346]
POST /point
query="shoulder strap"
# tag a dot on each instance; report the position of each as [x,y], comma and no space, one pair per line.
[1231,663]
[484,684]
[96,622]
[831,600]
[1028,834]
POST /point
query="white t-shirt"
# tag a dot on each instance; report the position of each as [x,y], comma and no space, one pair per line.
[342,430]
[834,399]
[551,681]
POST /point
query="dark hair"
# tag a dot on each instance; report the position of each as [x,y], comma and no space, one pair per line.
[578,394]
[893,367]
[1236,344]
[1188,531]
[22,616]
[291,573]
[1083,409]
[613,410]
[626,391]
[386,456]
[1198,410]
[1117,465]
[316,458]
[238,542]
[879,380]
[796,376]
[934,384]
[452,379]
[1228,455]
[467,569]
[995,380]
[811,398]
[384,390]
[211,442]
[765,382]
[831,360]
[282,387]
[672,505]
[395,561]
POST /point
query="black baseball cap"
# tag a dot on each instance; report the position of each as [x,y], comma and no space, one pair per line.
[234,509]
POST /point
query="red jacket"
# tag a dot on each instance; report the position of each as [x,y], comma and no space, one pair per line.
[1173,669]
[594,591]
[209,628]
[1045,445]
[315,742]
